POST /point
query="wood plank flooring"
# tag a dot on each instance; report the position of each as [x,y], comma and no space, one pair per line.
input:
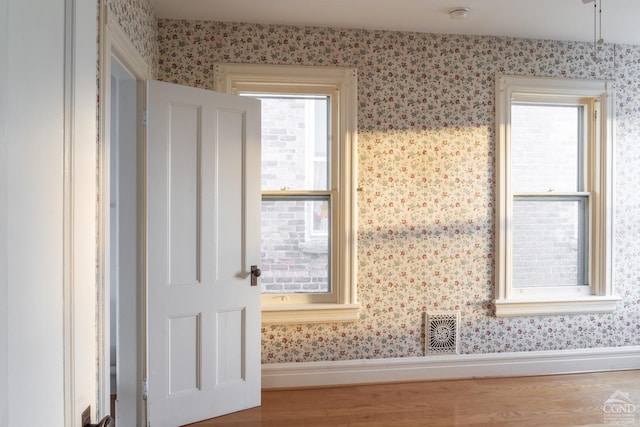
[544,401]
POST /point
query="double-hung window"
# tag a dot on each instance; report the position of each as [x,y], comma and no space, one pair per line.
[553,218]
[308,188]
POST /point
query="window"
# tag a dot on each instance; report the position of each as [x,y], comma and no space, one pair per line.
[308,188]
[297,198]
[553,219]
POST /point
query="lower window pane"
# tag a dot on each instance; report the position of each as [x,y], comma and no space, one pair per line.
[295,245]
[548,243]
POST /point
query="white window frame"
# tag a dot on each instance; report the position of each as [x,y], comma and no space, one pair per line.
[310,131]
[341,84]
[597,97]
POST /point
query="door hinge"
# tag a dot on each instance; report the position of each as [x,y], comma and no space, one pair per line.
[145,117]
[145,388]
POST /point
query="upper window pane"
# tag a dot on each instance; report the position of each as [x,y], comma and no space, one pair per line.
[295,142]
[546,148]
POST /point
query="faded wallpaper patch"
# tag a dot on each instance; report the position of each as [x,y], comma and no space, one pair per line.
[426,169]
[138,20]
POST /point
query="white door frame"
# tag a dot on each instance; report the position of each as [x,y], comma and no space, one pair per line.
[113,44]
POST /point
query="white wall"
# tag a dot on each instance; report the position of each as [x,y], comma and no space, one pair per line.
[34,210]
[33,379]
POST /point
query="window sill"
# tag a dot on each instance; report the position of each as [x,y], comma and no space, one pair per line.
[592,304]
[309,313]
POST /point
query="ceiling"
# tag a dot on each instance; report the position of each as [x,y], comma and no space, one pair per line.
[540,19]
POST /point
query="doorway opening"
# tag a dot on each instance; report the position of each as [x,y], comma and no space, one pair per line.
[125,297]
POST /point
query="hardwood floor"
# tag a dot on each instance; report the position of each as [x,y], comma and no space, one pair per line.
[559,400]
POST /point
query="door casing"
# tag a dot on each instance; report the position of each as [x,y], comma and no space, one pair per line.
[114,44]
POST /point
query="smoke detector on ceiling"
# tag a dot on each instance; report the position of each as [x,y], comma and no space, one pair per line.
[459,13]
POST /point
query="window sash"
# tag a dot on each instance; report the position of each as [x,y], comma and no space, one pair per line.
[332,193]
[312,116]
[581,286]
[585,141]
[582,107]
[309,296]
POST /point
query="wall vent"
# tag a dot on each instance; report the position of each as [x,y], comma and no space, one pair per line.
[442,332]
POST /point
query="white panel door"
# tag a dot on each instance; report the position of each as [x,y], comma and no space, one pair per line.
[203,236]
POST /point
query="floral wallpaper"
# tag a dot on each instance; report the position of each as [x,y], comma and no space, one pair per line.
[138,20]
[426,169]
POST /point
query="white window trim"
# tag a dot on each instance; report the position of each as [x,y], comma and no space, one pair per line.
[238,78]
[601,299]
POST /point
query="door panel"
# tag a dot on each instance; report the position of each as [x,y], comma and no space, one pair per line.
[184,340]
[184,194]
[203,219]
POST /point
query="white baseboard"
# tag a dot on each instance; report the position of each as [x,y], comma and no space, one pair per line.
[314,374]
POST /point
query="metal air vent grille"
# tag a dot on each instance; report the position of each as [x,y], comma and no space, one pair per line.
[442,332]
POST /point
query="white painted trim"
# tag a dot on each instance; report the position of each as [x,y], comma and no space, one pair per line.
[123,49]
[68,332]
[584,305]
[227,76]
[78,210]
[599,185]
[315,374]
[4,290]
[309,313]
[113,43]
[103,288]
